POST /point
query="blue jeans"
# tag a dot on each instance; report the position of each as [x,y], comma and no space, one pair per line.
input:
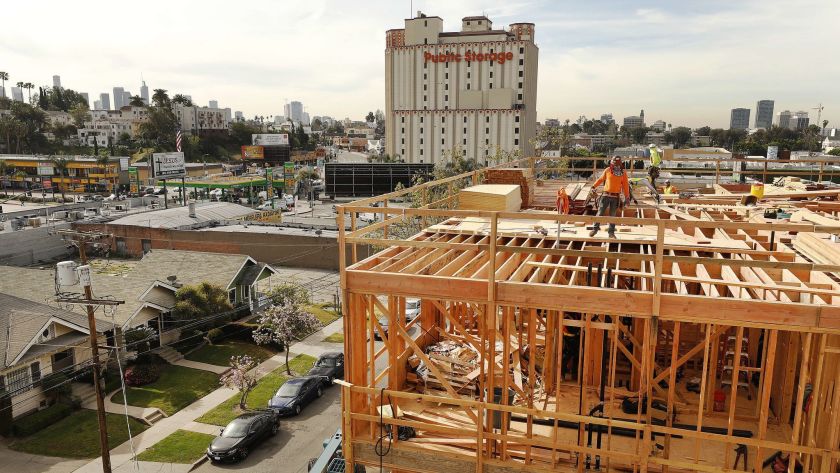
[607,204]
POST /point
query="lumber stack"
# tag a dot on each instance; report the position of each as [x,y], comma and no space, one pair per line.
[522,177]
[493,197]
[818,247]
[454,361]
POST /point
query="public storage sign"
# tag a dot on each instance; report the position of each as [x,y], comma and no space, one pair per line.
[168,165]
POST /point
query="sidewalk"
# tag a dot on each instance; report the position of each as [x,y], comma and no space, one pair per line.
[121,455]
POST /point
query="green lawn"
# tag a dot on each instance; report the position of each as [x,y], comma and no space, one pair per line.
[259,397]
[326,316]
[77,436]
[177,388]
[220,353]
[337,337]
[182,446]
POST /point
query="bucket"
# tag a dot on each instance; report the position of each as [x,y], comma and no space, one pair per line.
[720,400]
[757,190]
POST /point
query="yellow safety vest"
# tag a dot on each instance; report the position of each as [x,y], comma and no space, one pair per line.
[655,159]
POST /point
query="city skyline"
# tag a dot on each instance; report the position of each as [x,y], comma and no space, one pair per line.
[687,65]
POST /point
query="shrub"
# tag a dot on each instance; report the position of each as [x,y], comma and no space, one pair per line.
[149,359]
[140,375]
[188,340]
[244,332]
[29,424]
[57,385]
[215,335]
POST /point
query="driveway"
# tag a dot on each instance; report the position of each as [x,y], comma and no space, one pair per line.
[27,463]
[300,438]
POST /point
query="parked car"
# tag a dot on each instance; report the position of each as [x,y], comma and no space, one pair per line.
[241,435]
[412,309]
[330,366]
[295,394]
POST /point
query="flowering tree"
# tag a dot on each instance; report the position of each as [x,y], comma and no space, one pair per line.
[240,376]
[285,323]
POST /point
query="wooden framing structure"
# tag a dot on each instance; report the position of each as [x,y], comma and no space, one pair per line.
[703,334]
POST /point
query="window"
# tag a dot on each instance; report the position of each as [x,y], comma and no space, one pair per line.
[468,86]
[425,64]
[519,97]
[443,141]
[421,121]
[443,119]
[18,380]
[465,119]
[468,74]
[402,130]
[425,76]
[445,86]
[232,296]
[491,74]
[421,154]
[516,142]
[465,130]
[521,50]
[147,245]
[465,141]
[403,141]
[424,98]
[520,74]
[421,130]
[487,131]
[425,22]
[491,85]
[402,119]
[445,98]
[520,85]
[424,87]
[425,41]
[421,141]
[516,119]
[442,131]
[35,369]
[516,130]
[446,76]
[468,23]
[521,62]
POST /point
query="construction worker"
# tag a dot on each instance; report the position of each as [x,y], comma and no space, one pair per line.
[655,162]
[615,184]
[669,189]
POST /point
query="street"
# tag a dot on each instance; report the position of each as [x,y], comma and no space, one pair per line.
[300,438]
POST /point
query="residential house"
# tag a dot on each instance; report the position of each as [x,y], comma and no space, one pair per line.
[37,340]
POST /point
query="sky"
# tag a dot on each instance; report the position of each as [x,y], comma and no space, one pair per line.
[686,62]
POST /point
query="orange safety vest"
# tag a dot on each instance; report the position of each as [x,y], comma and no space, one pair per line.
[562,202]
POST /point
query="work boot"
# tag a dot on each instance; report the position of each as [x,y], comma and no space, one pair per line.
[593,232]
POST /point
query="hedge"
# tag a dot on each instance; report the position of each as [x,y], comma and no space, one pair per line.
[32,423]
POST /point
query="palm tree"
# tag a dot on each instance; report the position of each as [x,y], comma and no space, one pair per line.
[824,123]
[137,101]
[4,76]
[61,164]
[29,86]
[160,98]
[182,99]
[103,161]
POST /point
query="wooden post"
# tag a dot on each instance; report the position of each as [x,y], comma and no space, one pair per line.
[717,171]
[800,398]
[703,388]
[352,229]
[815,398]
[672,381]
[490,325]
[733,392]
[764,399]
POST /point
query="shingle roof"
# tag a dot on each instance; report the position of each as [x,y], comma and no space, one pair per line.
[22,320]
[127,280]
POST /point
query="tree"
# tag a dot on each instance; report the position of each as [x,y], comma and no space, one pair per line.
[137,101]
[639,134]
[681,135]
[703,131]
[4,76]
[60,165]
[370,118]
[200,301]
[80,115]
[289,292]
[183,100]
[824,124]
[243,376]
[285,323]
[833,152]
[29,86]
[161,99]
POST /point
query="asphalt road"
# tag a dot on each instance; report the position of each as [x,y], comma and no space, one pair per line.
[300,438]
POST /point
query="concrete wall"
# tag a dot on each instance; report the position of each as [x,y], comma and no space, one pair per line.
[32,245]
[273,248]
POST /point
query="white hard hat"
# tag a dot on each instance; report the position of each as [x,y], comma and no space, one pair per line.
[651,145]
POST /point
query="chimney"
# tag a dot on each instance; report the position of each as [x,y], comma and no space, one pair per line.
[192,209]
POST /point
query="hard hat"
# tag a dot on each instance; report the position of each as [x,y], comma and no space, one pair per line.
[651,145]
[616,158]
[667,181]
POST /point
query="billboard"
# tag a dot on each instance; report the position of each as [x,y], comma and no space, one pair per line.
[289,177]
[253,152]
[168,165]
[133,179]
[45,169]
[272,139]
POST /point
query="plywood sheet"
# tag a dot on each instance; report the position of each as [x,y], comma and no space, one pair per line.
[498,197]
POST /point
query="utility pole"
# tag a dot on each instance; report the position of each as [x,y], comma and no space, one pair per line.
[80,240]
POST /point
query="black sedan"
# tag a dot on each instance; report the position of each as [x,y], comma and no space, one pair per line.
[295,394]
[242,434]
[329,366]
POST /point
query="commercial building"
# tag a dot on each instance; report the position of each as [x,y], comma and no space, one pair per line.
[635,121]
[202,120]
[126,98]
[764,114]
[473,90]
[144,93]
[86,97]
[799,121]
[83,174]
[607,118]
[57,81]
[17,94]
[238,116]
[784,119]
[739,118]
[105,102]
[213,104]
[659,125]
[119,94]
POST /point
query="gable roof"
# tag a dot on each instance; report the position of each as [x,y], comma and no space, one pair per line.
[22,321]
[128,280]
